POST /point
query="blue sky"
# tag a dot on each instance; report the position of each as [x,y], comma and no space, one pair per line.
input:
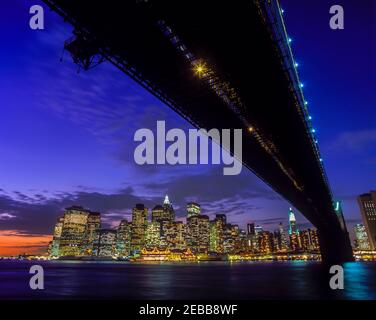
[67,137]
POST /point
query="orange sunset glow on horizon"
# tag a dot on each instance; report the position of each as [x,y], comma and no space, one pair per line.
[15,242]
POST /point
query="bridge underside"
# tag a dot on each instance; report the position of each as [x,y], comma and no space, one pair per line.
[232,39]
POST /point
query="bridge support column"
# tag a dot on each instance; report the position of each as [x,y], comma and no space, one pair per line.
[335,246]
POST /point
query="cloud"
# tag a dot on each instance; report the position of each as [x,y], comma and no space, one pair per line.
[354,141]
[6,216]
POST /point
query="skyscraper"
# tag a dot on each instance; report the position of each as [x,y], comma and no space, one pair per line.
[153,235]
[282,237]
[123,239]
[361,237]
[367,204]
[217,227]
[92,231]
[107,243]
[292,222]
[55,247]
[167,206]
[193,209]
[159,214]
[198,233]
[73,234]
[139,225]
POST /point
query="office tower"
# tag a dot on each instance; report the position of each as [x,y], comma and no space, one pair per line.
[139,225]
[153,235]
[204,233]
[292,223]
[92,231]
[258,229]
[158,214]
[55,246]
[198,233]
[361,237]
[251,229]
[251,237]
[229,238]
[73,233]
[167,206]
[266,244]
[309,240]
[193,209]
[367,204]
[107,243]
[123,239]
[173,235]
[217,227]
[241,245]
[283,246]
[179,237]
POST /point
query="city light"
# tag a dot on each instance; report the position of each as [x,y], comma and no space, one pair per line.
[78,233]
[200,69]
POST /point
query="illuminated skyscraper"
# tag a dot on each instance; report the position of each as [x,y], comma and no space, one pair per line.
[283,246]
[73,235]
[106,244]
[173,235]
[159,214]
[217,229]
[266,242]
[139,225]
[361,237]
[198,233]
[193,209]
[292,223]
[92,232]
[309,240]
[167,206]
[55,246]
[123,239]
[153,235]
[367,204]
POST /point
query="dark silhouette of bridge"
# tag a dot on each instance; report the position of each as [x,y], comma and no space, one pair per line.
[220,64]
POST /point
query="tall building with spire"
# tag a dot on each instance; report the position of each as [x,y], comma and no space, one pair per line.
[295,241]
[169,210]
[292,222]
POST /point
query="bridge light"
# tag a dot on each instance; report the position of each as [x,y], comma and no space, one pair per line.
[282,11]
[309,118]
[316,141]
[320,159]
[200,69]
[289,40]
[305,103]
[251,129]
[296,64]
[301,85]
[313,130]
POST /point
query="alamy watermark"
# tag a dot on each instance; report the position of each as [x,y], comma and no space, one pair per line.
[191,149]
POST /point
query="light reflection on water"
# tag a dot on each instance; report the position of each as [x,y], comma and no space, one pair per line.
[204,280]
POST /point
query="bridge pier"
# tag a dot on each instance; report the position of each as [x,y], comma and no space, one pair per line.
[335,246]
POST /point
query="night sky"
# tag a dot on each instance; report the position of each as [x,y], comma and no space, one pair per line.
[67,137]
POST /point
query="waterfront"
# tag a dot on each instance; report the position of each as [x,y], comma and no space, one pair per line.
[203,280]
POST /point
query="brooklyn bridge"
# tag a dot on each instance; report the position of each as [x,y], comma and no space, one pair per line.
[220,64]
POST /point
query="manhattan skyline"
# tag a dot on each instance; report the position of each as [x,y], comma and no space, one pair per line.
[75,146]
